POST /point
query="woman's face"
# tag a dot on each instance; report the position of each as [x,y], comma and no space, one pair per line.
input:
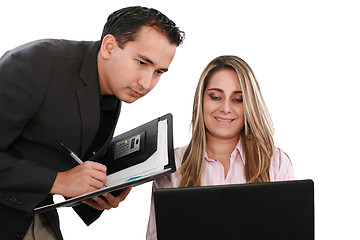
[223,105]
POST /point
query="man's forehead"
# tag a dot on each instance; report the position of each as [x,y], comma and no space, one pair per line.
[153,47]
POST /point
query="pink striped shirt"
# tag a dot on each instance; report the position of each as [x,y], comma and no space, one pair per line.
[213,174]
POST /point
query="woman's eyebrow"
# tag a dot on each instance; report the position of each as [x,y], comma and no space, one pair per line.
[216,89]
[220,90]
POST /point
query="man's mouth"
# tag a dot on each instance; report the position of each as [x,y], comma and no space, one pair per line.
[136,93]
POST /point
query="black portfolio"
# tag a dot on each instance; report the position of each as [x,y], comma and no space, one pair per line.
[134,157]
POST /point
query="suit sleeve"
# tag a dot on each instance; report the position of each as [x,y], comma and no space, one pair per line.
[23,83]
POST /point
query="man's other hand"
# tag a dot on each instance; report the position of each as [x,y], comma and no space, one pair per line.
[107,200]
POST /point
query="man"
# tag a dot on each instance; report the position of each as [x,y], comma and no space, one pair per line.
[60,91]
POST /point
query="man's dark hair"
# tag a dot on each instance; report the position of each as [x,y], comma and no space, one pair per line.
[125,23]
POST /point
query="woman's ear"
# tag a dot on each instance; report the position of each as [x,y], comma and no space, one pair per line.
[108,45]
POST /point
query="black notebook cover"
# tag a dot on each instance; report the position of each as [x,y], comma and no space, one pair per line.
[148,136]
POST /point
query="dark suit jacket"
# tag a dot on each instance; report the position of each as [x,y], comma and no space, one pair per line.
[49,93]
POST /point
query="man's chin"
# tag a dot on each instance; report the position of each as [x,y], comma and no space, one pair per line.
[130,99]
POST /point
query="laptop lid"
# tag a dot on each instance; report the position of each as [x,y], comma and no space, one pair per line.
[275,210]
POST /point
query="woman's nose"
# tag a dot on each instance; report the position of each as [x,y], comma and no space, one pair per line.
[225,106]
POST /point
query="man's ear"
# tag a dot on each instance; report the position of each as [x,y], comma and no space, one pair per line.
[108,45]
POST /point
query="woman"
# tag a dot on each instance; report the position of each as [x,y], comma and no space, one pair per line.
[232,134]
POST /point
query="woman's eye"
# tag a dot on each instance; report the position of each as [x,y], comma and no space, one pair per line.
[212,97]
[239,100]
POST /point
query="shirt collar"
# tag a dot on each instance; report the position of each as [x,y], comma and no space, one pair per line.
[207,158]
[239,150]
[108,102]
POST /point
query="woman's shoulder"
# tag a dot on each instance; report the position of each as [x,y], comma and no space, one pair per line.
[180,151]
[179,154]
[172,179]
[278,155]
[281,166]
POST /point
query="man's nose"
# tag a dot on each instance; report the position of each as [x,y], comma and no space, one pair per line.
[145,81]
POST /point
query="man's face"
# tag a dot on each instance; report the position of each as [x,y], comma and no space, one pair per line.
[133,71]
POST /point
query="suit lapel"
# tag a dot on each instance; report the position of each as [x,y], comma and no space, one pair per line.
[89,97]
[89,106]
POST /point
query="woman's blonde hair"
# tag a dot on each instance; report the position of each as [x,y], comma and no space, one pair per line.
[256,135]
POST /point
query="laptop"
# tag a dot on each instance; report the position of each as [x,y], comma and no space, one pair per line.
[256,211]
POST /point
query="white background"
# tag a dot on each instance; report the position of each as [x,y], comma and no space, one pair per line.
[305,55]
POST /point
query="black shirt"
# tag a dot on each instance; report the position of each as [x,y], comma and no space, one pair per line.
[108,114]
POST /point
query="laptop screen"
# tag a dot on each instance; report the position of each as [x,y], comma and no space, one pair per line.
[275,210]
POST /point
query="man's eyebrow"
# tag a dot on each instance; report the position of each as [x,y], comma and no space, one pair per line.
[146,59]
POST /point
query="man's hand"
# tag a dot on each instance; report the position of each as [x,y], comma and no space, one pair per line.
[109,201]
[88,176]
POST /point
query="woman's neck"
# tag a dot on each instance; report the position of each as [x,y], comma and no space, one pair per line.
[220,147]
[220,150]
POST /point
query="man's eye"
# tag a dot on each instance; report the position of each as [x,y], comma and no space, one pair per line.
[141,62]
[158,72]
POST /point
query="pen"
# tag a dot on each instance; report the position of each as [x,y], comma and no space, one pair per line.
[72,154]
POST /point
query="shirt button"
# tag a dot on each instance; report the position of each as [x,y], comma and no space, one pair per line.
[6,197]
[20,235]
